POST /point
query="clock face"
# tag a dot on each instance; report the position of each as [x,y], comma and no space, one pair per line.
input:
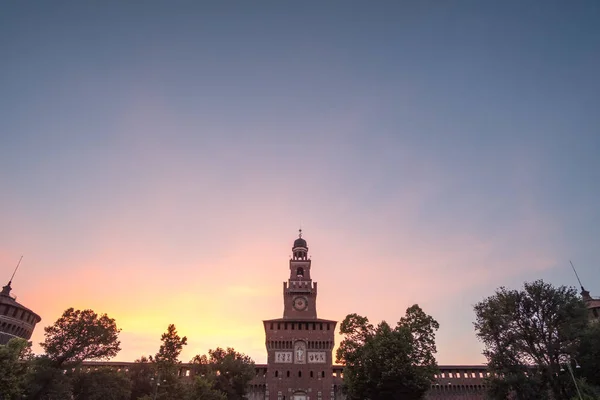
[300,303]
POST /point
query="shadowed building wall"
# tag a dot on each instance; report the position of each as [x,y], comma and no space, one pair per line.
[16,320]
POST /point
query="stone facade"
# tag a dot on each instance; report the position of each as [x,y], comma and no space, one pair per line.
[299,345]
[454,382]
[16,320]
[300,350]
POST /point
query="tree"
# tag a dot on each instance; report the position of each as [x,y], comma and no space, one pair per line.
[587,391]
[46,381]
[589,354]
[168,355]
[13,357]
[229,371]
[81,335]
[384,363]
[141,374]
[203,389]
[528,334]
[76,336]
[167,385]
[101,384]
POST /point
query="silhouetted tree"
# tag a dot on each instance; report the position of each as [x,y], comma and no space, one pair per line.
[167,357]
[589,354]
[46,381]
[141,374]
[203,388]
[13,358]
[527,335]
[76,336]
[166,383]
[101,384]
[384,363]
[229,371]
[81,335]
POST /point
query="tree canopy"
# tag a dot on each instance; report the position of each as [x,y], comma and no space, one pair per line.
[171,347]
[101,384]
[166,383]
[141,374]
[388,363]
[528,335]
[76,336]
[81,335]
[589,354]
[203,389]
[12,367]
[229,371]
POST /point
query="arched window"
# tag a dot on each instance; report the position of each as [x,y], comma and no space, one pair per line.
[300,272]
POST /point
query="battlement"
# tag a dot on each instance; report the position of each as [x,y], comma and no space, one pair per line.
[294,287]
[465,381]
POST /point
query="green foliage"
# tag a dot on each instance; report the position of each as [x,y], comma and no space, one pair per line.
[422,328]
[527,335]
[589,354]
[384,363]
[517,385]
[167,357]
[101,384]
[227,370]
[76,336]
[46,381]
[81,335]
[13,357]
[166,384]
[203,389]
[141,373]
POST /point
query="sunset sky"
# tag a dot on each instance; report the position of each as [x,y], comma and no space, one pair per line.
[158,158]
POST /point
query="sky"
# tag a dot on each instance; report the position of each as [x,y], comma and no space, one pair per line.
[158,158]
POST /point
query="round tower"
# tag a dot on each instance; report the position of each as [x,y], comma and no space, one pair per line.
[16,320]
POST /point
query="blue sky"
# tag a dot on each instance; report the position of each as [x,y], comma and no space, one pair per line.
[151,152]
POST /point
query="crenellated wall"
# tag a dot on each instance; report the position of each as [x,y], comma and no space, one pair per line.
[454,382]
[16,320]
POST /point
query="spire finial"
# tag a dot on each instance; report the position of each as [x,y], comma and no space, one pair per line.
[15,271]
[577,276]
[300,232]
[584,293]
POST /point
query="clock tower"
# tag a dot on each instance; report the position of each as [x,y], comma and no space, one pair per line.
[299,345]
[299,292]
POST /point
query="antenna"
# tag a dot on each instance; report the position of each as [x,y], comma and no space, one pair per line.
[15,271]
[578,280]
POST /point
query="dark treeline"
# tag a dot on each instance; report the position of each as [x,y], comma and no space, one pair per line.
[540,343]
[80,335]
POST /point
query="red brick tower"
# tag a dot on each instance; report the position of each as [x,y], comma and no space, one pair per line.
[299,345]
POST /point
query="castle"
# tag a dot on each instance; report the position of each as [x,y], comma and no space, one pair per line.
[299,345]
[16,320]
[300,349]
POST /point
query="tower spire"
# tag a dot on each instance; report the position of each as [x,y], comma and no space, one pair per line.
[15,271]
[584,293]
[6,289]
